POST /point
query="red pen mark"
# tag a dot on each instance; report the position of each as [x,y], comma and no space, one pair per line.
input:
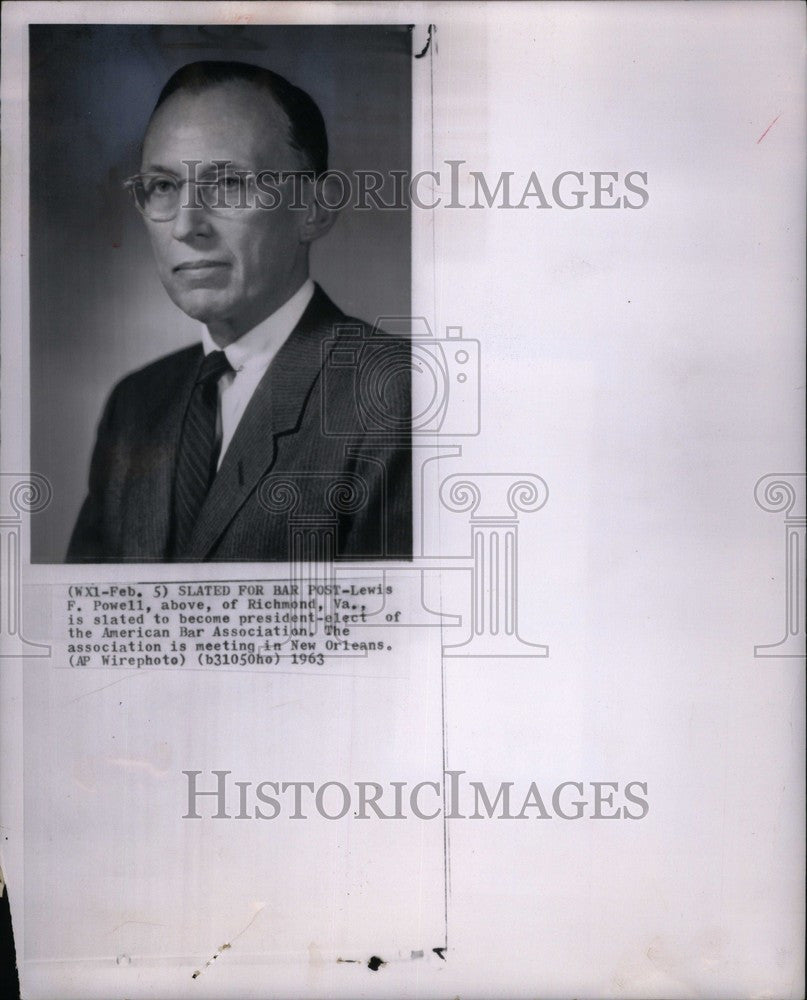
[776,119]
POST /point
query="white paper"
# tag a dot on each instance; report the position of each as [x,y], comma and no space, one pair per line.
[606,583]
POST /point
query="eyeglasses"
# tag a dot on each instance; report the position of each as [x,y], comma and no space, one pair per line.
[158,196]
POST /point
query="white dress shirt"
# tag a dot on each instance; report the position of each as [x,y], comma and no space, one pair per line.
[250,356]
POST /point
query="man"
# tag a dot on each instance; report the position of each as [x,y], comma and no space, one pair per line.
[284,434]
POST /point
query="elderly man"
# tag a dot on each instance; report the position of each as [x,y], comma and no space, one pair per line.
[284,434]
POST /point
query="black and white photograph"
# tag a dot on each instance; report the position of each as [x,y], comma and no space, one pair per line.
[240,176]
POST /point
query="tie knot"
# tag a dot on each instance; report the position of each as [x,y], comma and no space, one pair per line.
[213,367]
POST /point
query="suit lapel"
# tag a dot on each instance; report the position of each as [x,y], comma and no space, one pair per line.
[150,499]
[276,408]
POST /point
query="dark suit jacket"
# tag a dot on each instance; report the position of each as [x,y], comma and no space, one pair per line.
[319,466]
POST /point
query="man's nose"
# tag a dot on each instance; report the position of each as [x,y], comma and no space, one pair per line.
[191,221]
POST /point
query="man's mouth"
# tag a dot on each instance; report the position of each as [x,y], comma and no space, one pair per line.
[200,265]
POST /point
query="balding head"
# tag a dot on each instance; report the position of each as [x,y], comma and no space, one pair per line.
[305,126]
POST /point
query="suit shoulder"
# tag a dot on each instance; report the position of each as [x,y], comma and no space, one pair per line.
[389,329]
[374,333]
[376,329]
[164,371]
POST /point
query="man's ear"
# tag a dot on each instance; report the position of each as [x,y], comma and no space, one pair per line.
[319,217]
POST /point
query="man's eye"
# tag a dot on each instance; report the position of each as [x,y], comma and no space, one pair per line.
[160,186]
[229,183]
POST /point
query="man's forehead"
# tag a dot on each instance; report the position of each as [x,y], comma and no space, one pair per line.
[222,121]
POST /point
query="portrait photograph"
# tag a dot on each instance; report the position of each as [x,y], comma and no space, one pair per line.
[218,248]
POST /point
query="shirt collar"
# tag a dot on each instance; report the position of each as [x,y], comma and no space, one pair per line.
[256,348]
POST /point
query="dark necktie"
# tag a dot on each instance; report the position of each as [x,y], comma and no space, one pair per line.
[198,451]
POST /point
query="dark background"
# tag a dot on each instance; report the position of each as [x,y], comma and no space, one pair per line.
[98,310]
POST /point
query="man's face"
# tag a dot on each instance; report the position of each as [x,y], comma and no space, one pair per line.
[228,269]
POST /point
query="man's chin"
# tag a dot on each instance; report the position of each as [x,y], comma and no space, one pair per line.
[202,305]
